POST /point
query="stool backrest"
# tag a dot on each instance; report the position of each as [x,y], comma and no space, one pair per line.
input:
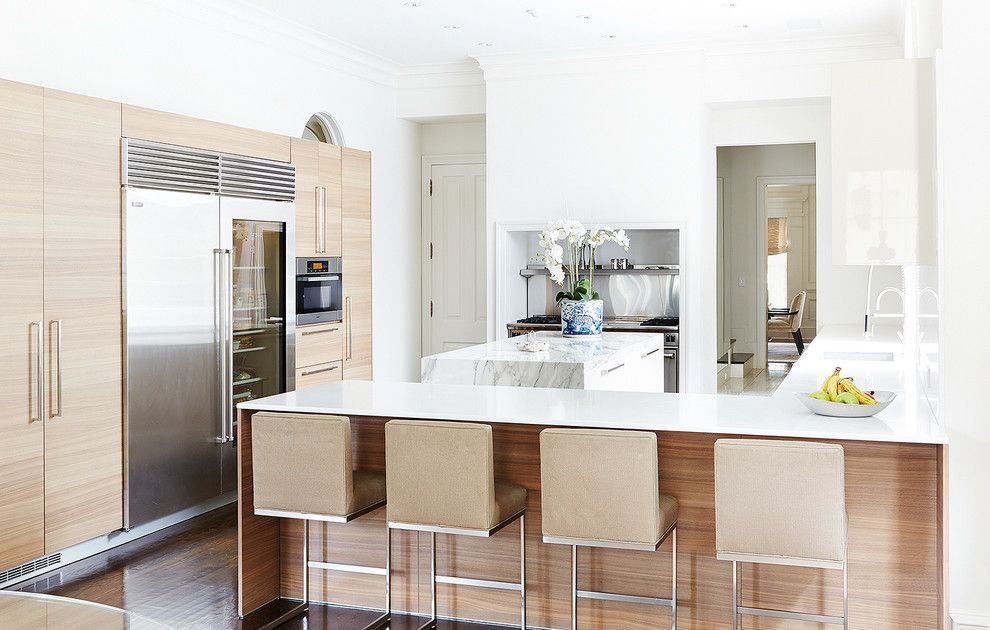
[600,485]
[302,463]
[783,499]
[440,473]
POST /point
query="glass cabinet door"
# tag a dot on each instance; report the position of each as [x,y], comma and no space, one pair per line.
[258,309]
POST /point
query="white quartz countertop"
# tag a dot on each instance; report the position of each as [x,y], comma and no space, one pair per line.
[909,419]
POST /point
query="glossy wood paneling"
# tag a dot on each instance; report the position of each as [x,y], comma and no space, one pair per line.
[319,343]
[330,180]
[82,288]
[356,252]
[22,472]
[149,124]
[306,158]
[892,498]
[318,374]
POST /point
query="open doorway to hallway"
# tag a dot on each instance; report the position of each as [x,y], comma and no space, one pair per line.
[767,234]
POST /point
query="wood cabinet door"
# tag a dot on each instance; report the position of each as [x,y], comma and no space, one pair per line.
[22,437]
[318,374]
[82,295]
[330,174]
[356,253]
[305,157]
[319,343]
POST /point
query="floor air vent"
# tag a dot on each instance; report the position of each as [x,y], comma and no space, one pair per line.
[28,568]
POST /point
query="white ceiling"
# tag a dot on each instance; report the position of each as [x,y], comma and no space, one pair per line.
[414,35]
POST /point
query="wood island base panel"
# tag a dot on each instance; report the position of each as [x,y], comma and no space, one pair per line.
[893,498]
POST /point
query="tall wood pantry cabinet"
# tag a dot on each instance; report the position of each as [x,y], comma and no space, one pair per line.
[61,428]
[356,254]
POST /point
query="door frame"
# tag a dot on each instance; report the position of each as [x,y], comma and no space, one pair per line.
[760,360]
[426,223]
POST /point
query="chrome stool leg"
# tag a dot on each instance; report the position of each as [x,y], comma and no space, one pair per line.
[673,583]
[522,571]
[305,562]
[573,587]
[735,610]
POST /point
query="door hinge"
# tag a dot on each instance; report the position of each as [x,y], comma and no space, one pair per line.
[431,186]
[431,250]
[431,308]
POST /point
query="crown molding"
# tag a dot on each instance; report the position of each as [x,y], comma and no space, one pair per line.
[270,29]
[454,74]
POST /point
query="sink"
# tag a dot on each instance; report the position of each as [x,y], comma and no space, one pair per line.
[859,356]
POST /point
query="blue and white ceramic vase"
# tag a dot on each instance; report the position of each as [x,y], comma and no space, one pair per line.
[581,318]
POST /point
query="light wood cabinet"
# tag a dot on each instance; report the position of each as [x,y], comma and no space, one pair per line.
[319,343]
[319,374]
[61,425]
[317,198]
[22,437]
[149,124]
[82,301]
[356,253]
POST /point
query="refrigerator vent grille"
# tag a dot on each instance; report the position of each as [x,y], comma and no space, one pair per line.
[170,167]
[253,177]
[11,575]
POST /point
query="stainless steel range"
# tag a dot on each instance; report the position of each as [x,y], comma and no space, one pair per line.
[668,326]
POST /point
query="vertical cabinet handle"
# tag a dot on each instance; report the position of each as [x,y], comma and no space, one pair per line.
[321,226]
[56,407]
[318,218]
[350,327]
[39,372]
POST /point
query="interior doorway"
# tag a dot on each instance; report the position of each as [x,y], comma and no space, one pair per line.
[454,270]
[767,240]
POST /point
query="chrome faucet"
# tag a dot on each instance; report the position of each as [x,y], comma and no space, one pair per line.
[868,322]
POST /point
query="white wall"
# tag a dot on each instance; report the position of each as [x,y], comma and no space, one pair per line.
[452,138]
[617,142]
[739,166]
[964,97]
[224,63]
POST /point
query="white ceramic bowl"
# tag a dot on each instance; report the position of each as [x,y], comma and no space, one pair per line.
[842,410]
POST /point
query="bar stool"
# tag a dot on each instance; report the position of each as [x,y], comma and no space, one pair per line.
[441,479]
[601,488]
[302,470]
[780,502]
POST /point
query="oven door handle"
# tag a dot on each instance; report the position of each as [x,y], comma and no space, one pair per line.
[335,277]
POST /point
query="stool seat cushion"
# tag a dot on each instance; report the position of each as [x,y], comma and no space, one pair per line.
[369,489]
[510,499]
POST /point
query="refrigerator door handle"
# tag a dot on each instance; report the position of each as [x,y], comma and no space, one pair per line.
[222,336]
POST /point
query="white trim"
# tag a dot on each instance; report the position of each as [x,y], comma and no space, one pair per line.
[760,357]
[684,361]
[426,229]
[970,620]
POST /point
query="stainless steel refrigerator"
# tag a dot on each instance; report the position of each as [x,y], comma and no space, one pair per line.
[210,316]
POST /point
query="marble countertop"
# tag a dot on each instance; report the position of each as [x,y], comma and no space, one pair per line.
[910,419]
[593,352]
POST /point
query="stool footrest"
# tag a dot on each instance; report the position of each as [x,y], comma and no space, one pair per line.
[788,614]
[629,599]
[381,622]
[503,586]
[346,568]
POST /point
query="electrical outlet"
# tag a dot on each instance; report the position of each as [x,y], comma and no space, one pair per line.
[742,281]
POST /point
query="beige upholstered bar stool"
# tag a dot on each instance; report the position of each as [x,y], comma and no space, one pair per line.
[780,502]
[441,479]
[303,469]
[601,488]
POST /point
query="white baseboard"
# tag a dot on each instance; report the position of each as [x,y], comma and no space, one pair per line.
[970,620]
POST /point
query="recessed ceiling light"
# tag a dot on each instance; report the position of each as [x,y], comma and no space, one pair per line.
[485,44]
[608,36]
[412,4]
[742,25]
[451,27]
[730,5]
[534,13]
[583,16]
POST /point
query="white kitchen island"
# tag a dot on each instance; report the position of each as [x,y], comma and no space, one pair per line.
[613,361]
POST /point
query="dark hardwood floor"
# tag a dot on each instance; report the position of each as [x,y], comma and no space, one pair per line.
[186,577]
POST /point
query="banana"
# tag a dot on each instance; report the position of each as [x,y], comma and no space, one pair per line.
[831,386]
[847,385]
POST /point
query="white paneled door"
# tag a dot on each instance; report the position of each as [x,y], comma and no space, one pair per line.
[457,257]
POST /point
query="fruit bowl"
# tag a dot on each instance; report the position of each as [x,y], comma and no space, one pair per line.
[843,410]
